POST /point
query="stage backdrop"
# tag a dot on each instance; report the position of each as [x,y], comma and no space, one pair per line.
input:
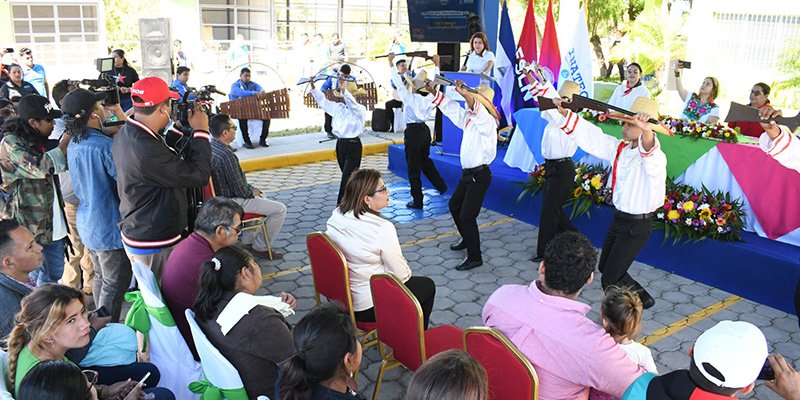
[445,21]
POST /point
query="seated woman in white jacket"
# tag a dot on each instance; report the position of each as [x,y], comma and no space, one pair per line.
[370,244]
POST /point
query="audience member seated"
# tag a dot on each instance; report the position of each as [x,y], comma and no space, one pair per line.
[536,317]
[621,316]
[217,225]
[15,87]
[250,331]
[758,99]
[94,180]
[231,182]
[54,320]
[19,256]
[327,355]
[725,361]
[449,375]
[62,380]
[631,89]
[699,106]
[370,244]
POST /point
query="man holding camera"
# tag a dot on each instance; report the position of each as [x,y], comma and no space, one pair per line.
[244,87]
[152,178]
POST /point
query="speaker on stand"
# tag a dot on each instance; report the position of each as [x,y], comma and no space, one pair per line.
[156,44]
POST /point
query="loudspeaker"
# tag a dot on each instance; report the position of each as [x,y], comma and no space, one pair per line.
[453,63]
[155,41]
[380,120]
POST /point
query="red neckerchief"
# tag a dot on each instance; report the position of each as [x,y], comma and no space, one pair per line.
[629,89]
[614,168]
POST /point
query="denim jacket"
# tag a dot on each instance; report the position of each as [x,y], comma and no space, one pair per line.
[94,178]
[11,294]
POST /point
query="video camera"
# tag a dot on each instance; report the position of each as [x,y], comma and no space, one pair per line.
[201,97]
[107,83]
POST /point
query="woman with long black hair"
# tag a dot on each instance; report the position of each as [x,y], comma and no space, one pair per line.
[126,76]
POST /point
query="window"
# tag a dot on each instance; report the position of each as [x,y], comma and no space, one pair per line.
[227,18]
[48,23]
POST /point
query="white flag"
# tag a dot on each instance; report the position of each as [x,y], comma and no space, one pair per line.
[576,55]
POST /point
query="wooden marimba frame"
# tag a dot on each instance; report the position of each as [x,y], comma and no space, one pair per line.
[263,106]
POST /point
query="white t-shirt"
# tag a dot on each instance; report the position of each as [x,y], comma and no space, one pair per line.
[477,63]
[641,355]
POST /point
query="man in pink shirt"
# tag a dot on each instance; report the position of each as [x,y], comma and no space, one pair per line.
[570,352]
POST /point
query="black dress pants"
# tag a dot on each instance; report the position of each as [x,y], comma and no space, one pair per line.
[559,178]
[423,288]
[246,133]
[466,203]
[328,123]
[622,243]
[348,155]
[437,126]
[390,106]
[418,146]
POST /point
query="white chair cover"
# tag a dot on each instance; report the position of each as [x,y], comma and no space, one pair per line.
[5,383]
[216,368]
[168,350]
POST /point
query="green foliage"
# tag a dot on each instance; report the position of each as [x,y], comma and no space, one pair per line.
[122,21]
[786,93]
[653,40]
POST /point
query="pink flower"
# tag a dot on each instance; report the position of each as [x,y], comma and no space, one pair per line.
[693,103]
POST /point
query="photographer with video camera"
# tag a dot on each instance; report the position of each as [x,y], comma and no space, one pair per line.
[153,178]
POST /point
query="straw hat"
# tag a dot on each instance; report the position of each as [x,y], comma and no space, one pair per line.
[569,88]
[647,106]
[485,95]
[352,88]
[418,82]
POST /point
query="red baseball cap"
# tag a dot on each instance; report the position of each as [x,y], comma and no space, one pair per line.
[151,91]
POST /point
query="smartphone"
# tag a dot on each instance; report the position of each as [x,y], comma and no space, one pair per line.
[9,49]
[767,373]
[141,382]
[685,64]
[102,312]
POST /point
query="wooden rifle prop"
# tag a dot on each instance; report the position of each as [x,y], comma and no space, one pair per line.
[579,102]
[741,112]
[441,80]
[323,77]
[421,54]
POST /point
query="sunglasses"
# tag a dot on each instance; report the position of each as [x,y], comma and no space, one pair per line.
[91,376]
[383,189]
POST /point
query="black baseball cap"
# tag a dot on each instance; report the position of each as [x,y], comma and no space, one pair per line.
[80,101]
[5,103]
[37,107]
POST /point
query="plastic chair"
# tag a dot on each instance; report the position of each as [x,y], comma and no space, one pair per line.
[400,326]
[249,220]
[511,374]
[220,375]
[168,350]
[332,280]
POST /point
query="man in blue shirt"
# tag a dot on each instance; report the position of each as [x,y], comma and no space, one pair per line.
[181,80]
[244,87]
[33,73]
[94,179]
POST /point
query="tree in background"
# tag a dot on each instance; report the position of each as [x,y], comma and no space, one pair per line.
[786,93]
[122,24]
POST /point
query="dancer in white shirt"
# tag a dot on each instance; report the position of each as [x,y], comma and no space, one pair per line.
[777,141]
[478,149]
[638,176]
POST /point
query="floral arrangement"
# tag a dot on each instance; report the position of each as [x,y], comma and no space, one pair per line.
[695,215]
[687,213]
[704,130]
[597,117]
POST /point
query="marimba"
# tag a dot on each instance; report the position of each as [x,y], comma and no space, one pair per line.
[263,106]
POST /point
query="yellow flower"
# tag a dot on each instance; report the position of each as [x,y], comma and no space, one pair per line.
[673,214]
[727,134]
[705,214]
[688,206]
[577,192]
[595,182]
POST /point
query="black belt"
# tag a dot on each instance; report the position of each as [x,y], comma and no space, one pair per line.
[625,215]
[350,140]
[558,160]
[415,123]
[476,169]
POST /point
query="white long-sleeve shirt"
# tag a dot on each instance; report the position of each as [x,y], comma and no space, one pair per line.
[638,177]
[416,107]
[371,246]
[622,100]
[785,149]
[555,144]
[479,142]
[348,117]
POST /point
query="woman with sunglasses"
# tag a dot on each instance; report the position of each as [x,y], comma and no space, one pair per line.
[370,244]
[54,320]
[759,98]
[29,163]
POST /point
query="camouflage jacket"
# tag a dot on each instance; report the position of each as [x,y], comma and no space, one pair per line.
[28,181]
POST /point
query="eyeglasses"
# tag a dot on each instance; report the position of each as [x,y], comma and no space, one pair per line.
[238,228]
[756,92]
[383,189]
[91,376]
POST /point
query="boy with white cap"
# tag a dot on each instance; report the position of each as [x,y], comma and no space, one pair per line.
[726,360]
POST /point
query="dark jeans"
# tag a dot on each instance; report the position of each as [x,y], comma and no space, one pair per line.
[423,288]
[465,205]
[112,276]
[328,123]
[348,155]
[559,179]
[622,243]
[246,133]
[390,106]
[418,147]
[134,372]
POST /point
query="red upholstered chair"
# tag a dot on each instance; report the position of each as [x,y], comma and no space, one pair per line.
[400,326]
[332,280]
[249,220]
[511,374]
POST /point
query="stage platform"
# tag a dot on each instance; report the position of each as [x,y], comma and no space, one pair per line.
[759,269]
